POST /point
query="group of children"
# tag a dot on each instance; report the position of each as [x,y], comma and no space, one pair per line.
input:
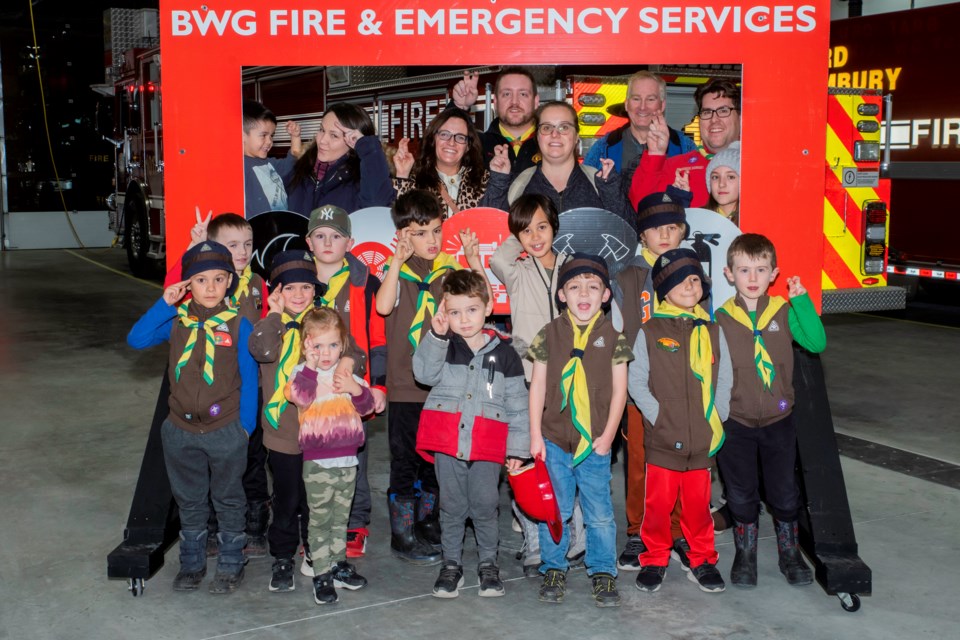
[463,399]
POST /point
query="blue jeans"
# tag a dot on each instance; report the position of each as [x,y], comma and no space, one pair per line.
[592,478]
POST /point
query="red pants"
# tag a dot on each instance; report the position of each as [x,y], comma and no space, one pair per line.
[635,470]
[663,486]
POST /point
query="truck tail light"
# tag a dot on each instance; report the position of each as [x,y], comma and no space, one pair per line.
[874,236]
[864,151]
[592,99]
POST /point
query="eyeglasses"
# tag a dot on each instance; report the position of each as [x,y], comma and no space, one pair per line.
[459,138]
[547,128]
[723,112]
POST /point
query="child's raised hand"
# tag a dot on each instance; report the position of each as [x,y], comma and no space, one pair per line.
[607,166]
[500,162]
[175,292]
[439,320]
[403,160]
[296,144]
[293,128]
[311,355]
[470,242]
[275,301]
[346,383]
[794,288]
[681,179]
[199,231]
[404,247]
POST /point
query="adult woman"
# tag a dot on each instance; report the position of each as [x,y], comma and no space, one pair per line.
[343,166]
[560,176]
[450,163]
[723,182]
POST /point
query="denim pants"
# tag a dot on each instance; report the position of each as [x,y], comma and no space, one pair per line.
[592,478]
[207,464]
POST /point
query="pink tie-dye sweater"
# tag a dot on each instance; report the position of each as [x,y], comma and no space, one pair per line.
[330,422]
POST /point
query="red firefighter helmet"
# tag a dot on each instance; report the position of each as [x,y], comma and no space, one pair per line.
[533,492]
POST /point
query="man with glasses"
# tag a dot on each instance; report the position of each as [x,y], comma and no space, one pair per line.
[646,99]
[718,106]
[516,100]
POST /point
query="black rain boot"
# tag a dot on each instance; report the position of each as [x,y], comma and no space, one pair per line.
[792,565]
[428,519]
[403,542]
[744,570]
[258,518]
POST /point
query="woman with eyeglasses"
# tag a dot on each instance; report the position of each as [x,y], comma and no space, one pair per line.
[450,163]
[559,175]
[344,165]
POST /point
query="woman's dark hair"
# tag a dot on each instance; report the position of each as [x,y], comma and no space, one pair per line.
[351,117]
[425,168]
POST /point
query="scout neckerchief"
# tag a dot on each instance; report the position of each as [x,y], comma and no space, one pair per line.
[701,363]
[289,356]
[425,300]
[706,154]
[209,327]
[573,387]
[761,357]
[243,287]
[517,142]
[334,285]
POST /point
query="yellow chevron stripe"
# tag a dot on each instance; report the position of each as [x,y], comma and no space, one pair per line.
[838,157]
[825,282]
[845,245]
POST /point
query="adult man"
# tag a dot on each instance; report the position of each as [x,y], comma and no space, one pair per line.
[718,105]
[516,100]
[646,99]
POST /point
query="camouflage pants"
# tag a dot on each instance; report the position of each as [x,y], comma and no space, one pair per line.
[329,495]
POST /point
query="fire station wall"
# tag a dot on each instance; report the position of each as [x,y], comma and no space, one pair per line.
[50,230]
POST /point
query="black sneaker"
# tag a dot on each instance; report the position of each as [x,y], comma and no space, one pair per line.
[605,590]
[323,590]
[707,577]
[282,579]
[629,560]
[650,578]
[449,581]
[226,582]
[345,576]
[490,584]
[553,587]
[679,553]
[189,580]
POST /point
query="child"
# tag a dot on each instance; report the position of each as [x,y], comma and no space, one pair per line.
[661,226]
[407,299]
[681,383]
[275,344]
[577,395]
[760,330]
[331,404]
[213,407]
[236,234]
[531,283]
[347,285]
[723,183]
[475,417]
[264,177]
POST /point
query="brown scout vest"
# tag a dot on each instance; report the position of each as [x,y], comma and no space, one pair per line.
[284,439]
[400,381]
[632,280]
[196,406]
[250,306]
[558,427]
[750,404]
[680,440]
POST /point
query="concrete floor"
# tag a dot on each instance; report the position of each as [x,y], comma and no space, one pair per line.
[77,402]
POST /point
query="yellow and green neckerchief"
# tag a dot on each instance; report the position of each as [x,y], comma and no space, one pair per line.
[336,283]
[289,356]
[761,357]
[209,326]
[701,363]
[517,142]
[425,300]
[573,388]
[243,287]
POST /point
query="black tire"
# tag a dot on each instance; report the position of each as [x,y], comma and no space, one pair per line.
[851,606]
[136,237]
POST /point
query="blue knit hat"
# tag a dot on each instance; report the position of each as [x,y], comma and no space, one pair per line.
[658,209]
[292,266]
[673,267]
[205,256]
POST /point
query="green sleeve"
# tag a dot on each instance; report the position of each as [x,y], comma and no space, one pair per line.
[537,351]
[622,352]
[805,324]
